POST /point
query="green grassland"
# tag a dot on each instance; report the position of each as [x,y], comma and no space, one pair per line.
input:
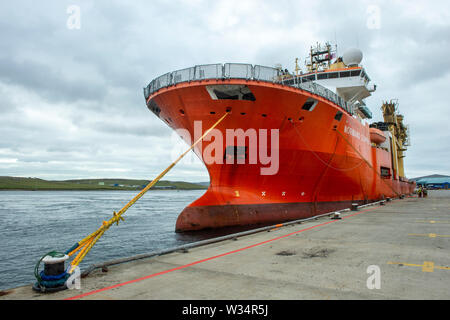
[19,183]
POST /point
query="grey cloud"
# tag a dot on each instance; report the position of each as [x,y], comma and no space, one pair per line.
[50,83]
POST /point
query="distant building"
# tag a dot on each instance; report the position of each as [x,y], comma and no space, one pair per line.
[434,181]
[101,183]
[164,187]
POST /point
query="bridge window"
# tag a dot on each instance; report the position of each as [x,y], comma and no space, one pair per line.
[309,78]
[333,75]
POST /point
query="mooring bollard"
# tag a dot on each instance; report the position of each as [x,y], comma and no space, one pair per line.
[336,216]
[54,276]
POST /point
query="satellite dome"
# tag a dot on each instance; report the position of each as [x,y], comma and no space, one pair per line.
[352,57]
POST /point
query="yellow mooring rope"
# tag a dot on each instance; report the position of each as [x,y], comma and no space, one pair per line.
[88,242]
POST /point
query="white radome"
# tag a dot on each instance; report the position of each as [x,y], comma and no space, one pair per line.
[352,57]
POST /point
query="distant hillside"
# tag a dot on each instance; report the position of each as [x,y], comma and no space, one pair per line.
[19,183]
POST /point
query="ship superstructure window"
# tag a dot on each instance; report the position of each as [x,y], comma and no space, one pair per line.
[310,104]
[309,78]
[333,75]
[230,92]
[385,172]
[365,77]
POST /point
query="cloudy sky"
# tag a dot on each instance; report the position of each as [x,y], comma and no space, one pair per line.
[71,101]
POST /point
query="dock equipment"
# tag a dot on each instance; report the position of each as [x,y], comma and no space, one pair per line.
[54,276]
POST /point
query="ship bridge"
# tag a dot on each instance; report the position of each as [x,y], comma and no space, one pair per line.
[345,76]
[351,84]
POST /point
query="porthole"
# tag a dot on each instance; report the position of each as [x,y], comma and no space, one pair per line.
[310,104]
[338,116]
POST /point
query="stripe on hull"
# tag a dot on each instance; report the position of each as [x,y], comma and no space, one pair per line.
[204,217]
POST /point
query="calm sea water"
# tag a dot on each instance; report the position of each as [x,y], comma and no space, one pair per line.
[36,222]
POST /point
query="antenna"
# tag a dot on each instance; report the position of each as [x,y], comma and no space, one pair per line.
[335,42]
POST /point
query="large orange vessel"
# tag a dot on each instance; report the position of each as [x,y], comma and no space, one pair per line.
[320,153]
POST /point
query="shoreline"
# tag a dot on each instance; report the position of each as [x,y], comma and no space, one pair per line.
[113,184]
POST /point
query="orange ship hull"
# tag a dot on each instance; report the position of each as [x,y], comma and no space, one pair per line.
[326,159]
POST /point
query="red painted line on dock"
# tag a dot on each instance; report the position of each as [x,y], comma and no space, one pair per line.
[208,259]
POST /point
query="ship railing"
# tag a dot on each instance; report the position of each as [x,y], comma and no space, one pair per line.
[242,71]
[268,74]
[183,75]
[208,71]
[238,70]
